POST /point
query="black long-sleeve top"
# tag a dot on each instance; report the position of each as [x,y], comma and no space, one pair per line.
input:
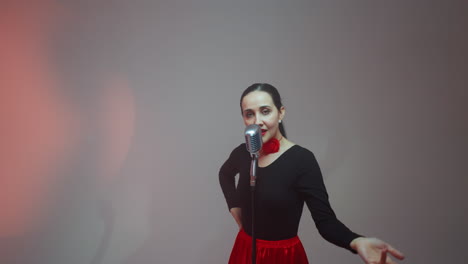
[281,190]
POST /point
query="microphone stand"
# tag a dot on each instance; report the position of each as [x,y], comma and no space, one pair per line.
[253,176]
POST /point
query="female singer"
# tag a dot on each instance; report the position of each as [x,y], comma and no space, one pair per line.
[288,176]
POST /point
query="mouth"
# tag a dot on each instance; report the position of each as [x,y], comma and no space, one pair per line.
[264,132]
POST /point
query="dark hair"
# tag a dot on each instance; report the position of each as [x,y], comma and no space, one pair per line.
[272,91]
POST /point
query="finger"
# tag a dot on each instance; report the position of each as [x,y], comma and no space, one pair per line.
[396,253]
[383,257]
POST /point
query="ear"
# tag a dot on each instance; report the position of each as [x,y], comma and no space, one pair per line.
[282,112]
[117,122]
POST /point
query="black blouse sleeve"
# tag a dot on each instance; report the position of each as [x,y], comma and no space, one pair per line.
[312,189]
[227,180]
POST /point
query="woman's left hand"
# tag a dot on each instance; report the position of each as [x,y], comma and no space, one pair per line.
[374,251]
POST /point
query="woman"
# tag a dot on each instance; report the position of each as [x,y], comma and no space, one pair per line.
[288,176]
[61,160]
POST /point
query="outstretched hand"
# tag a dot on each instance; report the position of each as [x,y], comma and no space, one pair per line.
[375,251]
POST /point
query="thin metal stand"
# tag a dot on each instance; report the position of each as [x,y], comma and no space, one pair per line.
[253,176]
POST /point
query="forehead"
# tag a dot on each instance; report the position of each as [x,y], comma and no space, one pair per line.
[256,100]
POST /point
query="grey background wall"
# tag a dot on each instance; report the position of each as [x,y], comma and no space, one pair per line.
[376,89]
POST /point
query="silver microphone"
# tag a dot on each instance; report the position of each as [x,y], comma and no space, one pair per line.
[253,142]
[253,139]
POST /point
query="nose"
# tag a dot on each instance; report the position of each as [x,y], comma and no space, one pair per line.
[258,120]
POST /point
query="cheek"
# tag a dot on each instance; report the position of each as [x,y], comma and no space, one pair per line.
[35,138]
[271,123]
[37,126]
[36,141]
[247,121]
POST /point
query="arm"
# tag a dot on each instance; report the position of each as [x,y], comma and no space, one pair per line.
[227,174]
[312,189]
[236,212]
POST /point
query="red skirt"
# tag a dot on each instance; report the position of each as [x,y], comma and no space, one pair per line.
[286,251]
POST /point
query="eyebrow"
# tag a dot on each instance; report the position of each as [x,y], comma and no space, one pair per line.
[263,106]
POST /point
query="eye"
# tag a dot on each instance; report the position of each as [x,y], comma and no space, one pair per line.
[266,111]
[248,114]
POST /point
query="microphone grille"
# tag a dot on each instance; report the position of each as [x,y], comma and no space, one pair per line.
[253,138]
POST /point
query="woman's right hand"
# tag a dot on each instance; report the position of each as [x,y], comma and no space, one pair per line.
[236,212]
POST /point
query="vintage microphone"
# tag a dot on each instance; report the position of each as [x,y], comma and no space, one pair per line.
[253,141]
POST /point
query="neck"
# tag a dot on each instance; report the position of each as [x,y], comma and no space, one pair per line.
[271,146]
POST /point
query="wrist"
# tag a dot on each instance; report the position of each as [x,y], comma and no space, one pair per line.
[355,242]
